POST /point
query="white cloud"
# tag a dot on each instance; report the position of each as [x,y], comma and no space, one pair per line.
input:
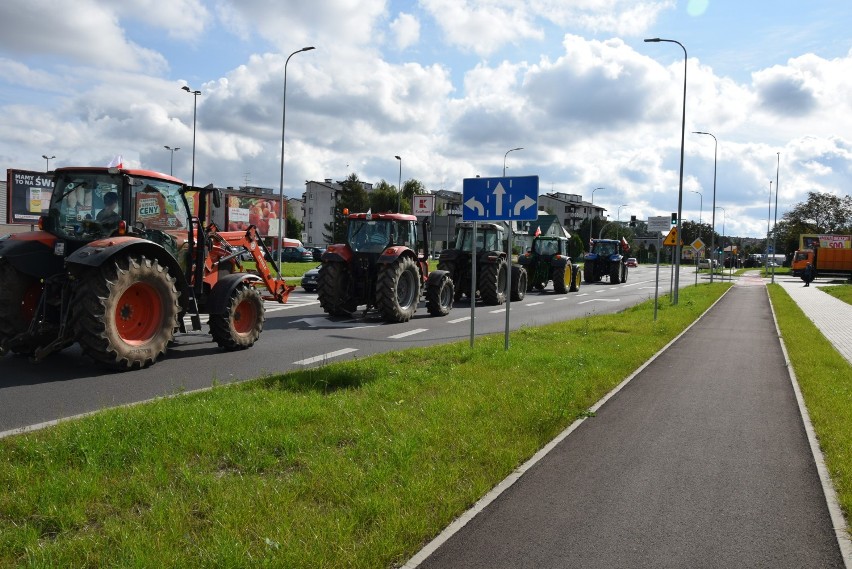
[406,29]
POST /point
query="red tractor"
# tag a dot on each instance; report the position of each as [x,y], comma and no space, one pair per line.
[120,258]
[379,267]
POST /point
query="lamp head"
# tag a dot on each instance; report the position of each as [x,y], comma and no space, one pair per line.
[652,40]
[398,158]
[309,48]
[185,88]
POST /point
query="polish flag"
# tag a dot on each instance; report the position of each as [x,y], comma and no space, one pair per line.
[116,162]
[537,231]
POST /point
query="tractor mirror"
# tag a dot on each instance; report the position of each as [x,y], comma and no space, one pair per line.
[217,198]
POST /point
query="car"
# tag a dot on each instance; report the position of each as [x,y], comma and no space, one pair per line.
[632,262]
[309,279]
[705,263]
[292,254]
[317,252]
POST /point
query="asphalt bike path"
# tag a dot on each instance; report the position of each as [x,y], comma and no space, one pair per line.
[701,460]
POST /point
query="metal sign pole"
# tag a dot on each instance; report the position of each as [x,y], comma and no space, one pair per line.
[472,284]
[508,287]
[657,283]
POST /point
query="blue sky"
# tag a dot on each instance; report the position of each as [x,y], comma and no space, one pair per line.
[449,85]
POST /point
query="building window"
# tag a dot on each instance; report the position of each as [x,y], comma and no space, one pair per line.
[310,211]
[310,225]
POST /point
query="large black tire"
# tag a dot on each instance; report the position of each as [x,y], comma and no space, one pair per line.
[575,278]
[398,290]
[624,273]
[589,272]
[450,267]
[333,289]
[558,275]
[19,296]
[240,327]
[492,283]
[125,312]
[439,297]
[519,283]
[614,273]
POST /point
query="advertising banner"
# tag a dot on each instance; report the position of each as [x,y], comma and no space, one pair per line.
[825,241]
[28,195]
[259,211]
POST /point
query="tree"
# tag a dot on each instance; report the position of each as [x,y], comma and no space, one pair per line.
[352,197]
[409,189]
[575,247]
[383,197]
[822,213]
[294,227]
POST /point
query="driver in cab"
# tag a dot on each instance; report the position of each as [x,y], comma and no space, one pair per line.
[109,216]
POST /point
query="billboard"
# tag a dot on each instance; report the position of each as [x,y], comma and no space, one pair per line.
[260,211]
[28,195]
[825,241]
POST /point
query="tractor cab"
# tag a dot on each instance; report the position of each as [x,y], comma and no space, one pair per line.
[489,237]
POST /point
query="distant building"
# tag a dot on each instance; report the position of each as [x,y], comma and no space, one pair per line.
[570,209]
[318,204]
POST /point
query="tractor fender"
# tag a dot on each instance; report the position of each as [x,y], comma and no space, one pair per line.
[560,261]
[96,253]
[391,254]
[452,255]
[221,293]
[337,253]
[436,277]
[491,257]
[32,253]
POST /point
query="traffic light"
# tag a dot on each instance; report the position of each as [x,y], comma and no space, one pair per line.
[632,221]
[674,218]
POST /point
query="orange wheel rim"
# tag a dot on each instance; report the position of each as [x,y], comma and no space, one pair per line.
[138,315]
[245,316]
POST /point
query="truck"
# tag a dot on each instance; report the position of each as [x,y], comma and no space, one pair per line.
[120,259]
[491,263]
[827,262]
[380,268]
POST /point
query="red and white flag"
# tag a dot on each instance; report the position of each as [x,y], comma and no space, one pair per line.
[116,162]
[537,231]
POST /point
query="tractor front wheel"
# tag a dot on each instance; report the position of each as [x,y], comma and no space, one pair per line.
[398,290]
[492,283]
[519,284]
[589,272]
[439,297]
[614,271]
[575,278]
[559,276]
[333,289]
[239,327]
[624,273]
[125,312]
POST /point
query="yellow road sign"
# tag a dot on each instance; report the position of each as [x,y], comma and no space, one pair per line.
[671,238]
[698,245]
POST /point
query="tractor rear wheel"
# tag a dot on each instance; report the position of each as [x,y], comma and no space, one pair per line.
[492,283]
[575,278]
[240,327]
[333,288]
[439,297]
[614,273]
[458,288]
[624,273]
[559,276]
[519,284]
[589,272]
[125,312]
[19,297]
[398,290]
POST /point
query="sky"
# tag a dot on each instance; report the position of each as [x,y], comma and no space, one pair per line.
[449,86]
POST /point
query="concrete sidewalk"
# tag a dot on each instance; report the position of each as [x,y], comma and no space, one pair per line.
[701,460]
[832,316]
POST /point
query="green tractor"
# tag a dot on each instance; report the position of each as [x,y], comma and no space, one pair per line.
[548,260]
[491,263]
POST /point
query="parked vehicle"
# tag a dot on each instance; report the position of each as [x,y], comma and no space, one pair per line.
[309,279]
[118,261]
[292,255]
[379,267]
[317,253]
[548,260]
[632,262]
[826,261]
[707,263]
[605,260]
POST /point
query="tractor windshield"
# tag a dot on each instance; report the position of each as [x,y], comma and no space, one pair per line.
[486,240]
[369,236]
[86,206]
[546,247]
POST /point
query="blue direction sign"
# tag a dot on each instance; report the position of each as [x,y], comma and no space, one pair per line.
[500,199]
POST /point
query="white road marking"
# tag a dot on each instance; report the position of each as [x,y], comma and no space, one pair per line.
[457,320]
[325,357]
[600,300]
[498,311]
[601,290]
[533,304]
[409,333]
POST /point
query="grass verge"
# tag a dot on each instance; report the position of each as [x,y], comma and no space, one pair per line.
[824,378]
[355,464]
[843,292]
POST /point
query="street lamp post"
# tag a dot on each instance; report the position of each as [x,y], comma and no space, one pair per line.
[680,185]
[768,219]
[700,209]
[194,115]
[399,187]
[282,218]
[713,215]
[505,155]
[172,159]
[592,221]
[593,194]
[618,219]
[722,239]
[775,223]
[47,163]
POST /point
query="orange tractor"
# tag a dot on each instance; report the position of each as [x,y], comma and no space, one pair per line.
[121,257]
[379,267]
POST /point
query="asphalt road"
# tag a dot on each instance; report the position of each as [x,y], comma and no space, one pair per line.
[702,460]
[295,335]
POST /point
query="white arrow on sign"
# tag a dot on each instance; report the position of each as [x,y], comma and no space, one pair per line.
[524,204]
[499,192]
[476,205]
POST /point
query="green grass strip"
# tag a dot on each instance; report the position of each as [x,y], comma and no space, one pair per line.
[843,292]
[356,464]
[825,378]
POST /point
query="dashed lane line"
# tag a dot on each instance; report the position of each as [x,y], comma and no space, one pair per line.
[324,357]
[409,333]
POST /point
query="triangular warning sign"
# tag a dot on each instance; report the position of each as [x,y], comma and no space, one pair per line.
[671,238]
